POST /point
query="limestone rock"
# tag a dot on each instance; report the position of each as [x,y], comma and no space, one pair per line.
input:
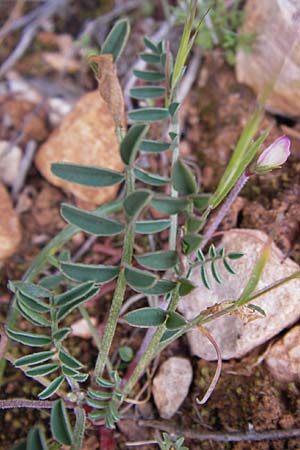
[85,136]
[283,359]
[275,24]
[236,334]
[10,229]
[171,385]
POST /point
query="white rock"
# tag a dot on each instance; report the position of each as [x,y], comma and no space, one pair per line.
[275,53]
[171,385]
[10,158]
[283,359]
[81,328]
[236,334]
[58,109]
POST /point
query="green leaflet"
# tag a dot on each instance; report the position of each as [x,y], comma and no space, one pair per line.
[51,281]
[116,39]
[87,175]
[36,439]
[169,205]
[85,272]
[69,360]
[33,303]
[144,92]
[29,289]
[149,75]
[185,287]
[151,226]
[146,317]
[148,114]
[32,316]
[60,424]
[66,309]
[34,358]
[151,45]
[160,288]
[139,279]
[150,58]
[161,260]
[74,293]
[52,388]
[135,202]
[150,146]
[61,334]
[175,321]
[131,142]
[183,179]
[90,222]
[42,370]
[150,178]
[191,242]
[32,340]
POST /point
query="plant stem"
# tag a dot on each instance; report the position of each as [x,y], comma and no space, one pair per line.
[224,208]
[79,428]
[174,193]
[118,296]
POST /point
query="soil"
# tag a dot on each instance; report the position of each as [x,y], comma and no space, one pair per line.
[215,112]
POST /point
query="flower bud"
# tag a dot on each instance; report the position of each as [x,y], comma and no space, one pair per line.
[273,156]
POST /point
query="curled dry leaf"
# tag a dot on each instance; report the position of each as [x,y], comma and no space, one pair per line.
[109,86]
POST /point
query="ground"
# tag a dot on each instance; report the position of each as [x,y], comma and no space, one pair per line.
[214,114]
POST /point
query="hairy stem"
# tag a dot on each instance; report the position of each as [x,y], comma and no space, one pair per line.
[119,293]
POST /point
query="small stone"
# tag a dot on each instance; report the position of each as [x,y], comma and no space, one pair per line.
[86,136]
[283,360]
[10,229]
[236,334]
[10,158]
[171,385]
[81,328]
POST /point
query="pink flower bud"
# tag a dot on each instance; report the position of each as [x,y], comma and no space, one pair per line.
[274,156]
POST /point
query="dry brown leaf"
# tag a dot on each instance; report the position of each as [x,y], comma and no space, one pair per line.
[109,87]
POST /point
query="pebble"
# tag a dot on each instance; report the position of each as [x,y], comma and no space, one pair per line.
[171,385]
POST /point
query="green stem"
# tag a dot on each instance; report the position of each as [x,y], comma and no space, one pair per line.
[79,428]
[174,193]
[119,293]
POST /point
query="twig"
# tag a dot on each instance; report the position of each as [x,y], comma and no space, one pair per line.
[138,443]
[32,21]
[251,436]
[25,403]
[23,168]
[84,248]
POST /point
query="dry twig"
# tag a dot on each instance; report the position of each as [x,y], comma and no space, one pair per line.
[251,436]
